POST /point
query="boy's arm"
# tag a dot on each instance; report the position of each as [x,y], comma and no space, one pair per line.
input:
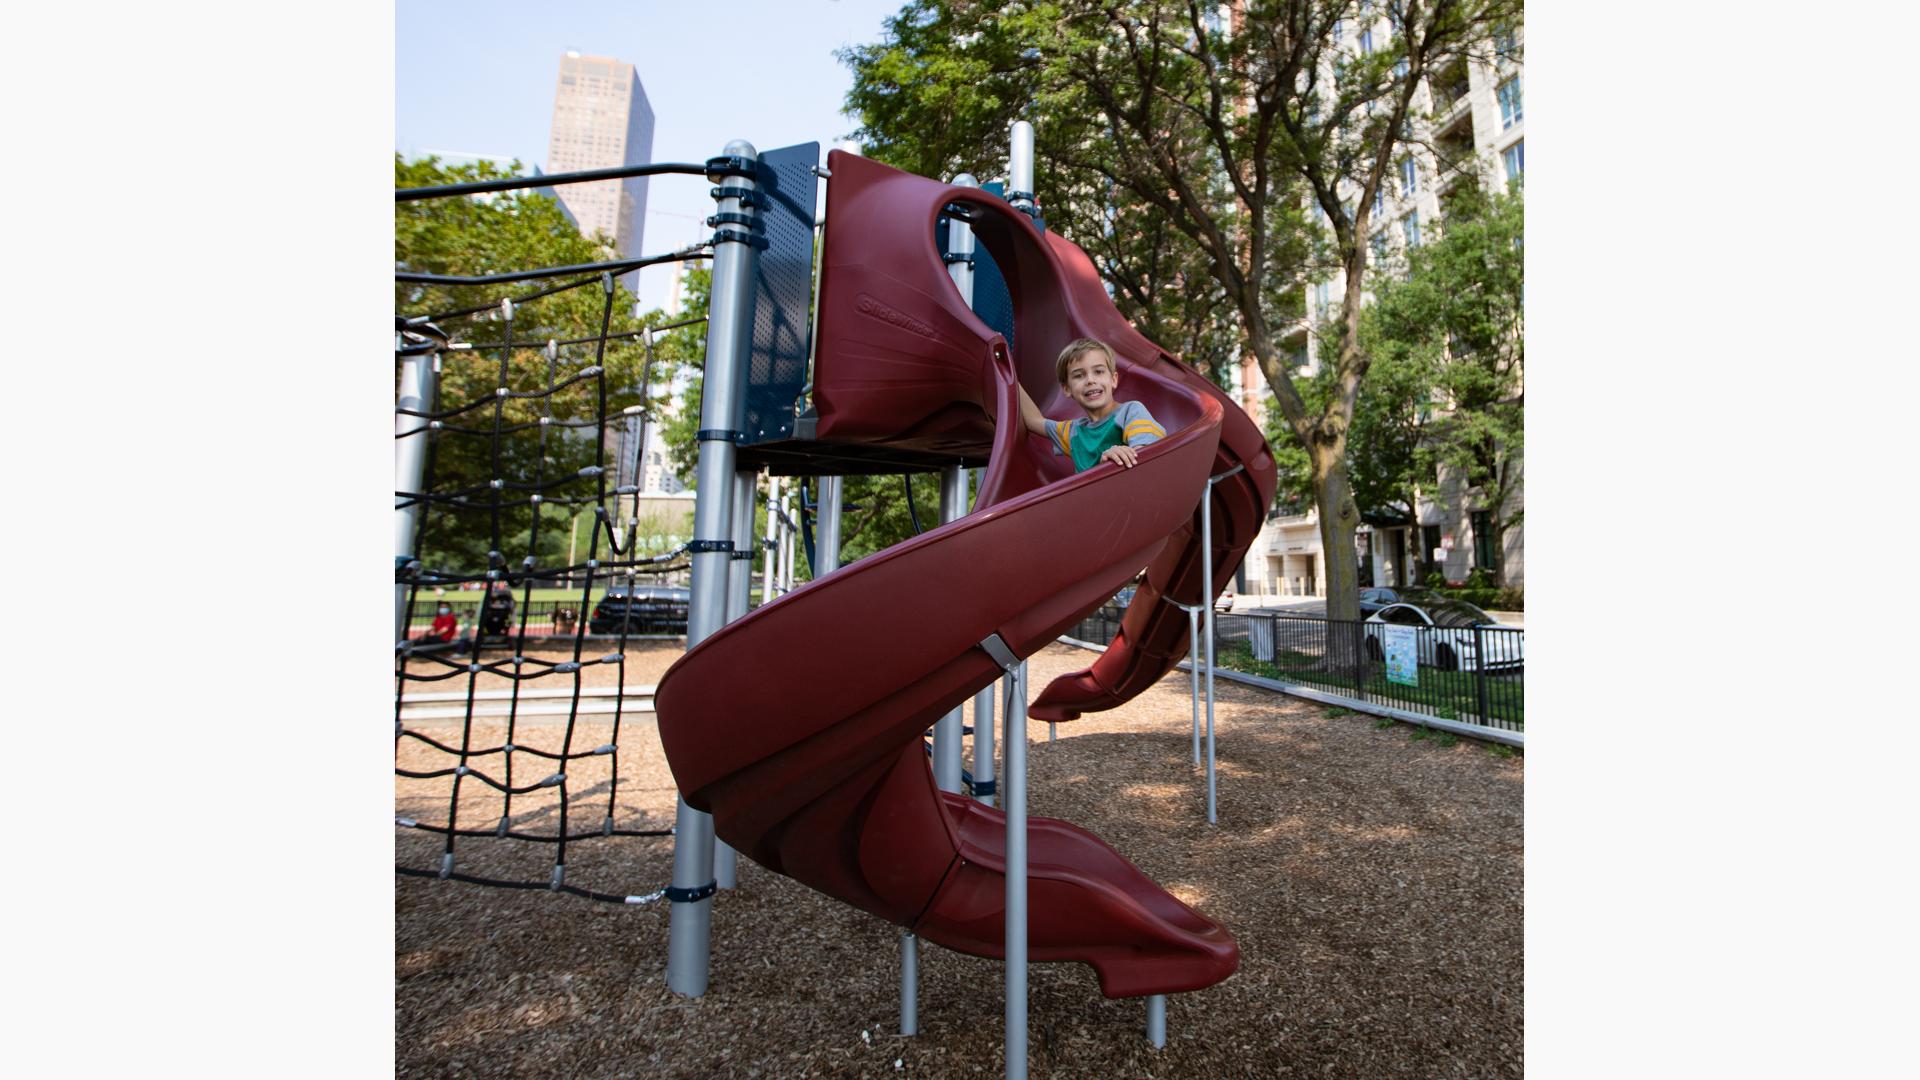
[1030,414]
[1139,426]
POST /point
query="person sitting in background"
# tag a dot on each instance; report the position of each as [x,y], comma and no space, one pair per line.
[446,629]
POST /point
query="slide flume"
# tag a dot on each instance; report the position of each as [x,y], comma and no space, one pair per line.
[799,727]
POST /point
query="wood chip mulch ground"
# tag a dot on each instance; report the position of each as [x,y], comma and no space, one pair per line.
[1373,881]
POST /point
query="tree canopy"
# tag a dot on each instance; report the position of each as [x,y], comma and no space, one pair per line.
[1212,166]
[503,438]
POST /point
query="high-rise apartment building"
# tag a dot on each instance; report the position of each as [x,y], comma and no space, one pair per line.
[601,120]
[1470,122]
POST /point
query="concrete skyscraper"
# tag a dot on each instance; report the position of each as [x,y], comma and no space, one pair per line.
[601,120]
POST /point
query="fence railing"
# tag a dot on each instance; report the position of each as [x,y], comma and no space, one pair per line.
[1473,675]
[545,618]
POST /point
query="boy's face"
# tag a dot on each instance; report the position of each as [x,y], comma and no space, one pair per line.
[1091,381]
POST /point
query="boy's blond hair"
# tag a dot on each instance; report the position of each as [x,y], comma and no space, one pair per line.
[1075,349]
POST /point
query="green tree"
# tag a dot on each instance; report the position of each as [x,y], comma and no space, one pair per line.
[1457,320]
[504,438]
[1260,142]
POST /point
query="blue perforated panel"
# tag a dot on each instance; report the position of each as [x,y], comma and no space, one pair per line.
[783,293]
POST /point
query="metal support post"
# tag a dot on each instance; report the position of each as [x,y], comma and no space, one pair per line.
[1193,669]
[909,984]
[983,772]
[409,467]
[960,247]
[726,861]
[1014,739]
[789,509]
[946,730]
[1157,1021]
[826,534]
[729,339]
[1206,598]
[1020,167]
[773,533]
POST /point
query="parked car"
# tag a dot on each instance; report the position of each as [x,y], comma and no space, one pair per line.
[1373,599]
[644,609]
[1446,639]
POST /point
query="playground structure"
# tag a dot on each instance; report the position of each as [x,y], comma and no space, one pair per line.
[911,370]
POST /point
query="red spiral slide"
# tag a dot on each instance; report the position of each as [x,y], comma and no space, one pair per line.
[799,726]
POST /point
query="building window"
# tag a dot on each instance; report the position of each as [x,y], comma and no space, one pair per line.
[1482,539]
[1409,177]
[1506,44]
[1366,43]
[1379,245]
[1380,201]
[1515,160]
[1322,299]
[1509,94]
[1339,32]
[1411,223]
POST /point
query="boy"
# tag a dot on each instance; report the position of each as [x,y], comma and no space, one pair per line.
[1111,430]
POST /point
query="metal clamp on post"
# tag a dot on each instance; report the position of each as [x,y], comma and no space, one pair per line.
[697,546]
[728,165]
[996,647]
[689,896]
[718,435]
[735,236]
[745,195]
[747,555]
[951,257]
[751,221]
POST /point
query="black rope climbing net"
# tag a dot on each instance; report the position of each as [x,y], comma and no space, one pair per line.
[503,462]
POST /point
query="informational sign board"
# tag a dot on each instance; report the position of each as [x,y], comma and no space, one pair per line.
[1402,649]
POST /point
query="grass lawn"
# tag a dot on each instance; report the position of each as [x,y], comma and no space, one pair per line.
[1449,695]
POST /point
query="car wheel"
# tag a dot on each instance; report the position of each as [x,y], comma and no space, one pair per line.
[1444,658]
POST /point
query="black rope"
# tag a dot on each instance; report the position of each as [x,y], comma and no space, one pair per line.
[907,479]
[492,766]
[711,168]
[618,266]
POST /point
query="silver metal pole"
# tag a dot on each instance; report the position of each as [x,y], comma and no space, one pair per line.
[1015,740]
[773,546]
[909,984]
[1157,1021]
[983,787]
[946,730]
[729,339]
[1020,167]
[726,861]
[409,467]
[826,538]
[789,506]
[1206,598]
[983,759]
[1193,669]
[960,245]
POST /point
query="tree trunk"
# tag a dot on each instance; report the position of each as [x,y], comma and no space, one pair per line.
[1339,518]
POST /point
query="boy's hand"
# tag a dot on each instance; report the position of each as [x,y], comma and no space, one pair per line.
[1123,456]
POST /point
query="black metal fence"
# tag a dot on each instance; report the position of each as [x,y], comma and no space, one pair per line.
[1474,675]
[545,618]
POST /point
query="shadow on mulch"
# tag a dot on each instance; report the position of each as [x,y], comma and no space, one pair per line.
[1373,884]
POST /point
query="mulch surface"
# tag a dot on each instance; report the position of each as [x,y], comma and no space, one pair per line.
[1373,881]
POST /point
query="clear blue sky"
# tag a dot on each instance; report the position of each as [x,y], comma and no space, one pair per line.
[477,76]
